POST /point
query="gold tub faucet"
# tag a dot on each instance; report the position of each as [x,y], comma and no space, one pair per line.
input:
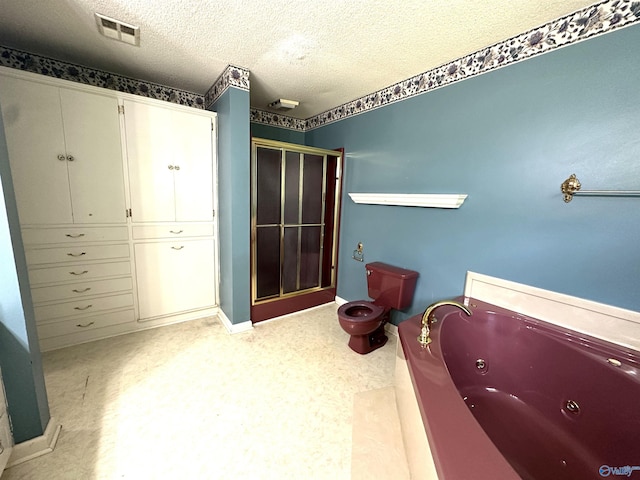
[424,339]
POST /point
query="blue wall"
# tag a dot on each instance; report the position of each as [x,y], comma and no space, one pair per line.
[274,133]
[19,351]
[507,138]
[234,207]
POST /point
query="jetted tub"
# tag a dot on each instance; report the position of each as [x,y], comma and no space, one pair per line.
[504,396]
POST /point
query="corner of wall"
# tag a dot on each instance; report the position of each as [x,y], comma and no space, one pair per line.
[19,349]
[234,140]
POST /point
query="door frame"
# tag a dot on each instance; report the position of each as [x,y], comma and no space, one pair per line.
[288,303]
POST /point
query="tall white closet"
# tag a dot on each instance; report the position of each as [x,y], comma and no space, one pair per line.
[116,198]
[172,210]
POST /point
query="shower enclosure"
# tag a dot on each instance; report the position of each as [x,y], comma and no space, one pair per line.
[295,200]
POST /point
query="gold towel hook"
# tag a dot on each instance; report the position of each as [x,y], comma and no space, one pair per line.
[570,186]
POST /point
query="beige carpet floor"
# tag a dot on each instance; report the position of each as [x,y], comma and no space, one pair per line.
[190,401]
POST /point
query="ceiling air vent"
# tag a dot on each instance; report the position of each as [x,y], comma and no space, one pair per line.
[117,30]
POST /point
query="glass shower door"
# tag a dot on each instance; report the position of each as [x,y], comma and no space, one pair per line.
[268,213]
[293,227]
[303,220]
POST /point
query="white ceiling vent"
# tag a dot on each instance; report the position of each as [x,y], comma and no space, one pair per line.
[284,104]
[117,30]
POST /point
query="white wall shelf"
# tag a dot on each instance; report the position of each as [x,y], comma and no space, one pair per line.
[433,200]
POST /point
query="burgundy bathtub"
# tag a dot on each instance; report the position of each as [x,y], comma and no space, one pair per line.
[504,396]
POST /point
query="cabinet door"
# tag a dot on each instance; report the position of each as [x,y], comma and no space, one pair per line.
[92,137]
[174,277]
[149,140]
[34,131]
[192,153]
[6,440]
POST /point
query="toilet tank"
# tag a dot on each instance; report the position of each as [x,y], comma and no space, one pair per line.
[390,286]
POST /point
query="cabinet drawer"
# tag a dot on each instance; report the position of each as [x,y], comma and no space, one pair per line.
[172,231]
[85,307]
[37,256]
[84,289]
[84,324]
[35,236]
[78,272]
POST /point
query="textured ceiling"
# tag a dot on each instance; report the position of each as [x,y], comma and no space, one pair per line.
[321,53]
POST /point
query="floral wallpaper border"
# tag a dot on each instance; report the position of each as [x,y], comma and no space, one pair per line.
[588,22]
[231,77]
[68,71]
[277,120]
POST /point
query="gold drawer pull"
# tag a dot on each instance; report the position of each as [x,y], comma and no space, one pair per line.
[76,254]
[83,308]
[74,236]
[81,291]
[179,231]
[76,273]
[178,248]
[85,325]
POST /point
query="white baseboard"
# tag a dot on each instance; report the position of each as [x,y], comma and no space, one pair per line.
[340,301]
[391,329]
[233,327]
[36,447]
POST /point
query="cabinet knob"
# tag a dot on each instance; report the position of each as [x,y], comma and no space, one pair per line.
[177,167]
[70,158]
[170,167]
[62,158]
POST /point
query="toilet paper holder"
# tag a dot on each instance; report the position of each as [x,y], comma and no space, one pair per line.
[358,254]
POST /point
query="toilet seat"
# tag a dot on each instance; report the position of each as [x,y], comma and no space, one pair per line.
[364,322]
[360,311]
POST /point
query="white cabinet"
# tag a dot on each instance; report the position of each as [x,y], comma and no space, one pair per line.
[174,276]
[79,163]
[170,163]
[81,282]
[170,166]
[6,440]
[65,153]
